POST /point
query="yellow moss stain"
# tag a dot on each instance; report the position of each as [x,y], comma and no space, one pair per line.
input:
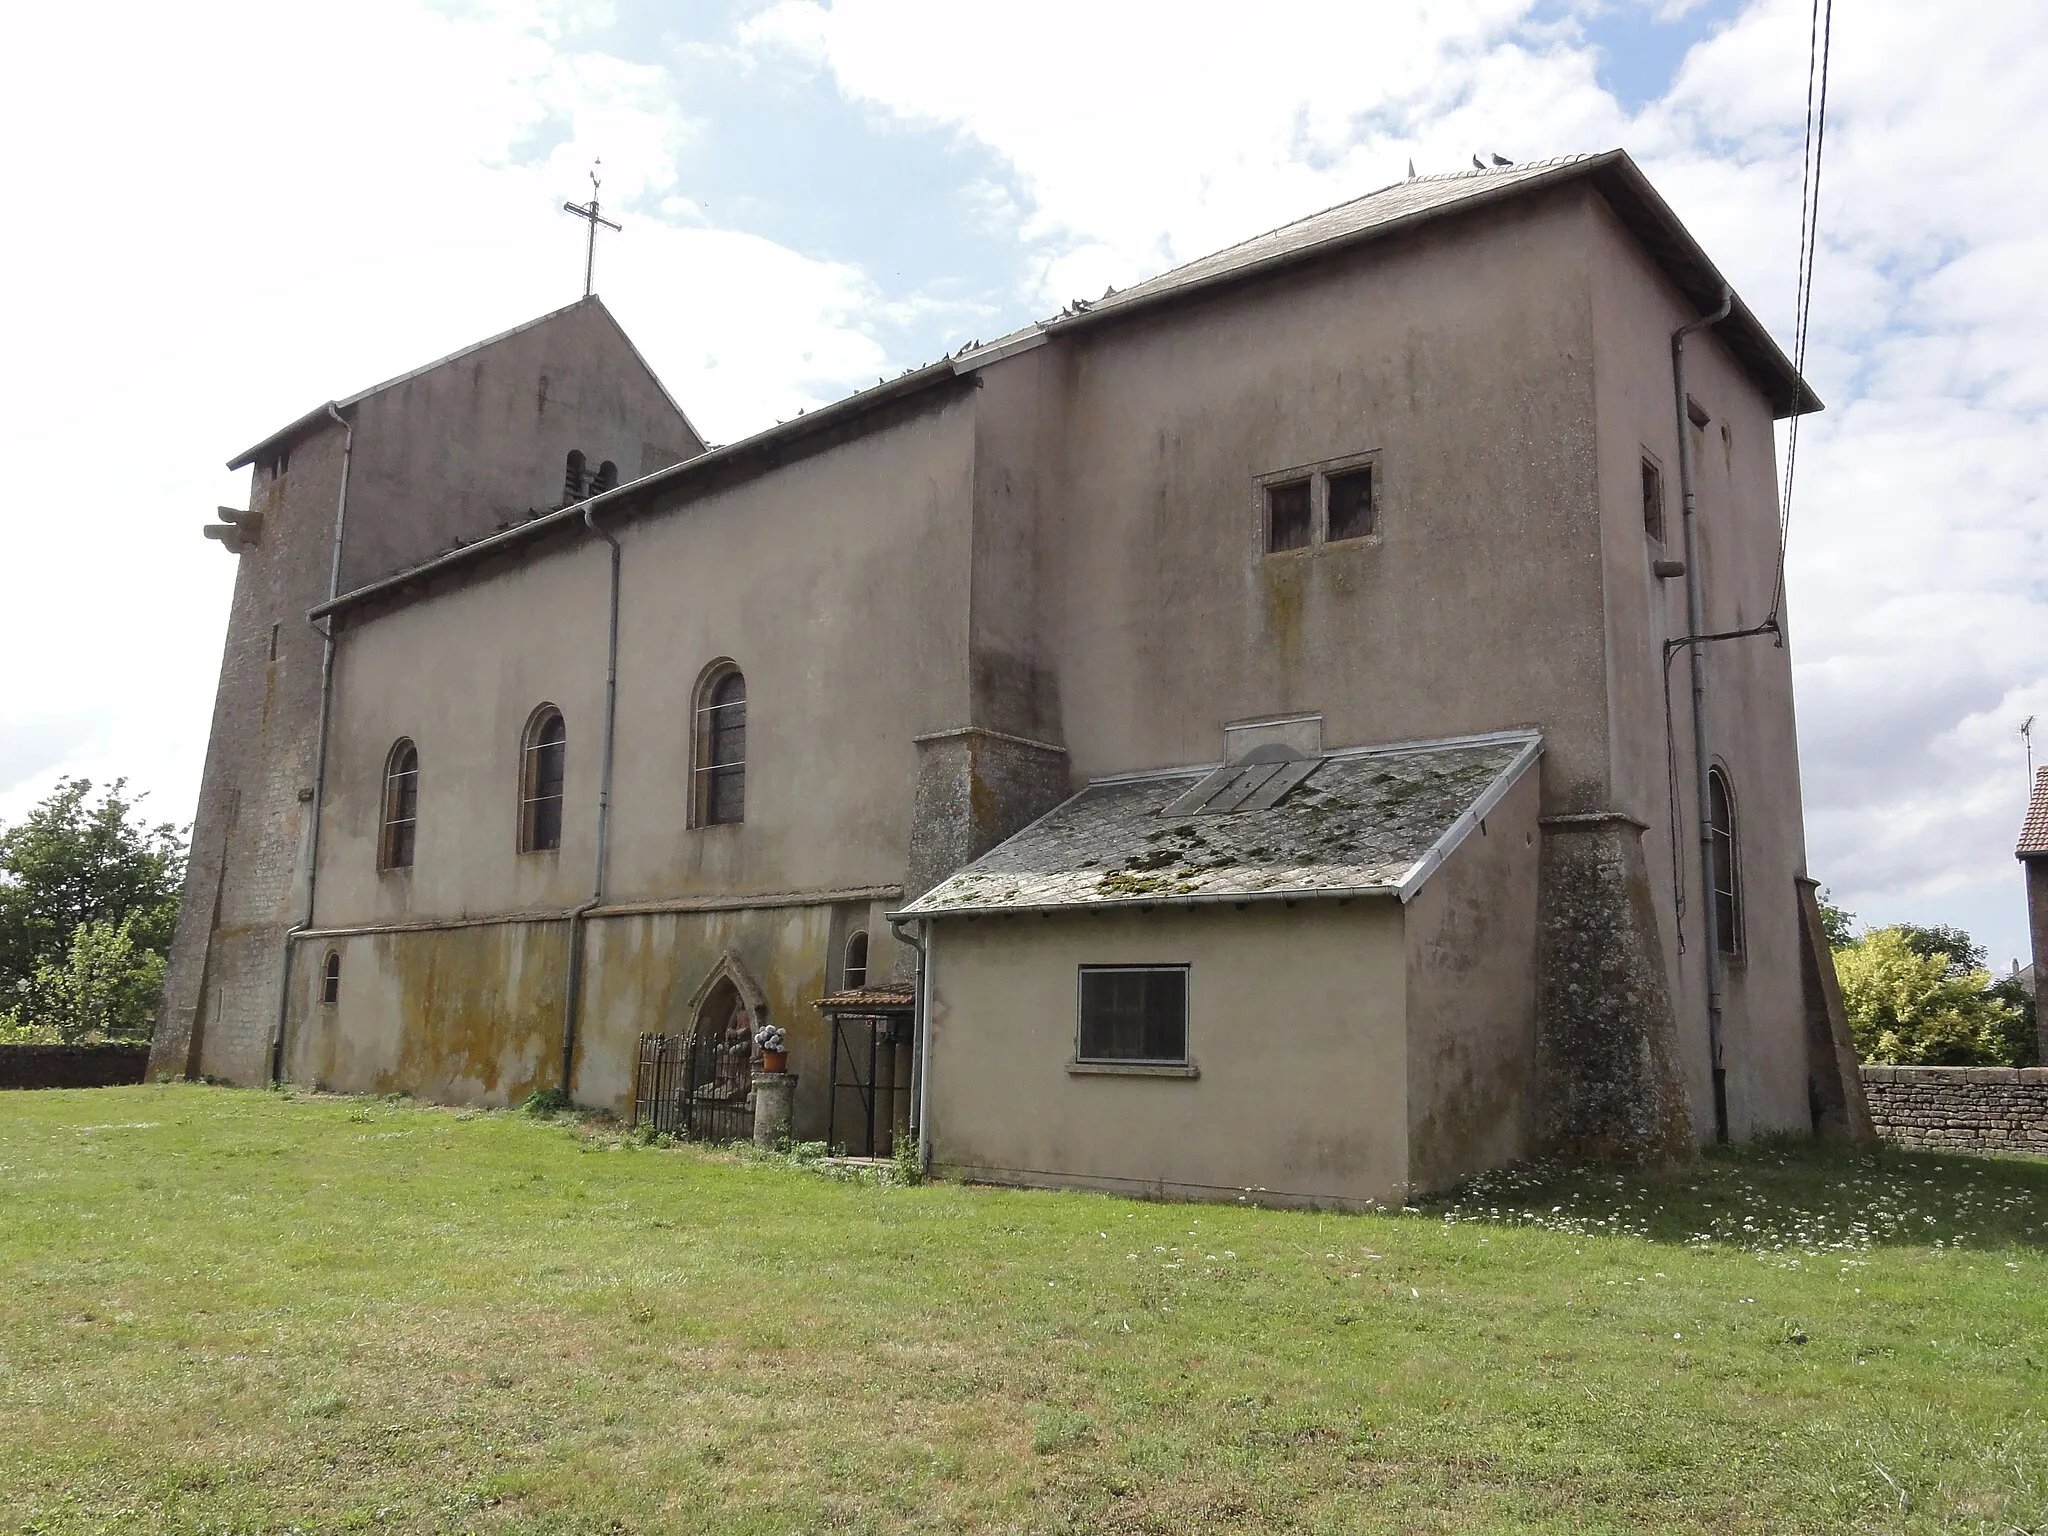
[1283,594]
[479,1011]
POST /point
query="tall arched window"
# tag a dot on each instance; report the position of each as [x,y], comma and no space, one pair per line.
[854,976]
[330,978]
[1727,866]
[401,805]
[719,795]
[543,758]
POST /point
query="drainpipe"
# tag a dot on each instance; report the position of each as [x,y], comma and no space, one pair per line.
[291,934]
[1696,648]
[573,1003]
[920,1061]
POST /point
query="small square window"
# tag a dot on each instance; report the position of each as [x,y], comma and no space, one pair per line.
[1135,1013]
[1653,501]
[1351,509]
[1287,516]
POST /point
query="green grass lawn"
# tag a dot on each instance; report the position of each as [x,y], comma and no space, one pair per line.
[229,1311]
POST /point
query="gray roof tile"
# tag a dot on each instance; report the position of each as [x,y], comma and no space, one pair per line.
[1375,820]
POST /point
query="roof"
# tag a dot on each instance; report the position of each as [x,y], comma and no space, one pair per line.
[319,413]
[1389,211]
[1424,199]
[868,1000]
[1365,821]
[2034,835]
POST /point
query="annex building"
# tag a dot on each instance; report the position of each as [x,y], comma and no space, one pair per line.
[1238,734]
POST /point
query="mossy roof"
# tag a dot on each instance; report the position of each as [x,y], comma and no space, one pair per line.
[1365,821]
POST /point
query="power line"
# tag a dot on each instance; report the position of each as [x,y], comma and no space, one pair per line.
[1820,36]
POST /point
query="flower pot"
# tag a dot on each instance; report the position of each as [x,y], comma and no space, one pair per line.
[774,1061]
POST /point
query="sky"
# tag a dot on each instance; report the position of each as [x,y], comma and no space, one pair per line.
[226,213]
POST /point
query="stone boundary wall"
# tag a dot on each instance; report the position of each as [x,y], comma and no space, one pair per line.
[72,1066]
[1960,1109]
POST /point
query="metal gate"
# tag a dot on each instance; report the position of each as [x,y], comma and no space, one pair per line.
[699,1086]
[872,1054]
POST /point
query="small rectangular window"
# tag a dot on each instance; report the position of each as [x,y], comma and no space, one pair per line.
[1653,501]
[1134,1013]
[1287,516]
[1351,509]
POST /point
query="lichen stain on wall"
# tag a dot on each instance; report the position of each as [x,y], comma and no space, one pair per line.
[1283,594]
[643,970]
[479,1011]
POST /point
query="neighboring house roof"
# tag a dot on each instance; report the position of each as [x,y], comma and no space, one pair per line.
[1387,212]
[1364,821]
[318,414]
[2034,835]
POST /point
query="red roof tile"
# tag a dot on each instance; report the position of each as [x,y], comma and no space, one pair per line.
[2034,836]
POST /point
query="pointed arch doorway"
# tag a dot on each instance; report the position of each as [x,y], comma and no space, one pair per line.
[700,1084]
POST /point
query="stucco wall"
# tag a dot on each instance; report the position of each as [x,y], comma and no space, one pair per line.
[1295,1020]
[1462,354]
[1750,721]
[457,449]
[1471,979]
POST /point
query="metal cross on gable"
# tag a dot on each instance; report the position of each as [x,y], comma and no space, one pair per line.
[589,212]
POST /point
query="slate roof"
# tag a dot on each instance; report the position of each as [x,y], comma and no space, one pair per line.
[2034,835]
[1367,821]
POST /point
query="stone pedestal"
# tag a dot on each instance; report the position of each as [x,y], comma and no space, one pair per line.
[774,1107]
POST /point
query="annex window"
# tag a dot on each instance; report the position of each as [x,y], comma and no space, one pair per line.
[719,794]
[854,974]
[1288,513]
[543,760]
[401,806]
[1134,1013]
[1351,504]
[1653,501]
[1727,865]
[330,979]
[573,477]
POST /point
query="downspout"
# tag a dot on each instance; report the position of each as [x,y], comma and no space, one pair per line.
[291,934]
[920,1061]
[573,1003]
[1696,648]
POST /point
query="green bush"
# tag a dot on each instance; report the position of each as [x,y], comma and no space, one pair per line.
[1908,1006]
[546,1101]
[105,988]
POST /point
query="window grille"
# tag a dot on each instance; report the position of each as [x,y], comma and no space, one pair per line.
[401,805]
[544,761]
[721,767]
[330,979]
[1727,870]
[854,974]
[1134,1013]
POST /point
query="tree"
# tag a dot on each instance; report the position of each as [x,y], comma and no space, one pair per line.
[105,989]
[75,860]
[1961,953]
[1837,924]
[1909,1008]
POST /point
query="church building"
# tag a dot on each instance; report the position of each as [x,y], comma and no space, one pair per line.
[1309,726]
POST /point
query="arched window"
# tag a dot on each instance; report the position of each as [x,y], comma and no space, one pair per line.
[1727,866]
[607,477]
[573,477]
[854,976]
[330,979]
[401,805]
[719,795]
[542,759]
